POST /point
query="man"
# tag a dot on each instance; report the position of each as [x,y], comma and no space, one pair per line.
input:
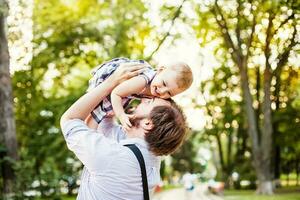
[111,171]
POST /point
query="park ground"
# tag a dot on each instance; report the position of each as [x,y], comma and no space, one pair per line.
[280,194]
[200,193]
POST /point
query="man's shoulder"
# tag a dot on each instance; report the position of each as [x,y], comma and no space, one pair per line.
[68,125]
[111,130]
[150,159]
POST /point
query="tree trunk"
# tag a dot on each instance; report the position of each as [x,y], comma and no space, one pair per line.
[250,112]
[276,134]
[265,186]
[222,163]
[224,166]
[261,147]
[277,161]
[261,159]
[258,109]
[7,123]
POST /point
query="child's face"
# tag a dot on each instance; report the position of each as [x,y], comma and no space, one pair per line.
[164,84]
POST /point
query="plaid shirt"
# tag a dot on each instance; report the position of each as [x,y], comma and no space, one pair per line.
[102,72]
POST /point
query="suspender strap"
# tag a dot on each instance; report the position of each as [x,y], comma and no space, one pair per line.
[140,158]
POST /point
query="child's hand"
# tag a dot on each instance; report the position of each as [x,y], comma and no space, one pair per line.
[125,121]
[126,71]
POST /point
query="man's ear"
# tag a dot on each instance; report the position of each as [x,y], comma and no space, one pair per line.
[146,124]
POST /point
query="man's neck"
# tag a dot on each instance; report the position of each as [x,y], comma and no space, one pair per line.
[135,133]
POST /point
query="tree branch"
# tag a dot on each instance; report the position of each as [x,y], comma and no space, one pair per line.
[3,8]
[283,57]
[237,56]
[268,40]
[238,29]
[251,35]
[223,24]
[292,16]
[168,32]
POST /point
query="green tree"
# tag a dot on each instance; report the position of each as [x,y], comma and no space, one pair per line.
[286,119]
[186,158]
[249,30]
[226,125]
[68,40]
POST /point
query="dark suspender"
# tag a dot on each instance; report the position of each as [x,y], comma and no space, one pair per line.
[140,158]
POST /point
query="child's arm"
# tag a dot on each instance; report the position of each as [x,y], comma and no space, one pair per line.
[85,104]
[132,86]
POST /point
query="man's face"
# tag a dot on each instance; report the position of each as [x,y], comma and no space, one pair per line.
[147,104]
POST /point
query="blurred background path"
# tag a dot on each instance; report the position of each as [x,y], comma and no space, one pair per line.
[199,193]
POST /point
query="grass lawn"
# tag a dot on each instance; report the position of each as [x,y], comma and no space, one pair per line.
[289,193]
[63,198]
[280,194]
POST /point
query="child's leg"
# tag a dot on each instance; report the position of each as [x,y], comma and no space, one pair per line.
[99,75]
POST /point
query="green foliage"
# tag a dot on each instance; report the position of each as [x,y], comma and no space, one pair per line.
[186,159]
[296,102]
[226,129]
[69,39]
[238,33]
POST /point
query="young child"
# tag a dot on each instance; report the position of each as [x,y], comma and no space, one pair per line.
[164,82]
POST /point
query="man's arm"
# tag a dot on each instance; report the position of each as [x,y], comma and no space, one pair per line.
[85,104]
[89,147]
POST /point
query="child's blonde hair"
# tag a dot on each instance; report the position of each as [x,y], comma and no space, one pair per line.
[185,75]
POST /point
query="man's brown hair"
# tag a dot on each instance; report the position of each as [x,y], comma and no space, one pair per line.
[169,129]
